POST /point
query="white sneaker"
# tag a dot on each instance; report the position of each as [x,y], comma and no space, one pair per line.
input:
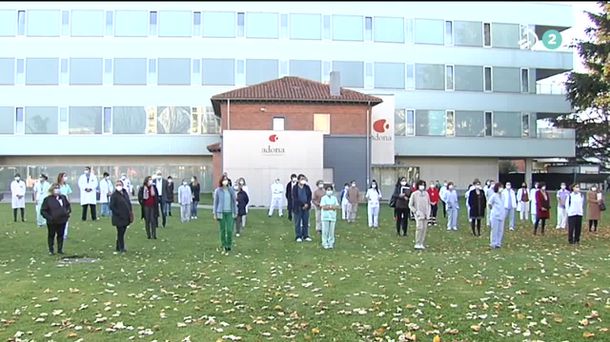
[511,228]
[418,247]
[455,228]
[299,240]
[237,234]
[308,239]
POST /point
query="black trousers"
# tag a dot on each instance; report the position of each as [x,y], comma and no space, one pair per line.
[574,228]
[478,223]
[538,220]
[151,222]
[434,209]
[120,238]
[93,212]
[402,220]
[289,210]
[444,209]
[56,231]
[22,214]
[593,225]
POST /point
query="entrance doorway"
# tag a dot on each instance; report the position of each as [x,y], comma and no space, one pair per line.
[387,176]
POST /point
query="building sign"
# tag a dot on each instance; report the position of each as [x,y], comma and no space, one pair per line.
[262,156]
[382,131]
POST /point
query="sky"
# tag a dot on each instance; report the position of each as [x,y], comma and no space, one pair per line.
[581,22]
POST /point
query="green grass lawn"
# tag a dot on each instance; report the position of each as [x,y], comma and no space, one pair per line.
[373,286]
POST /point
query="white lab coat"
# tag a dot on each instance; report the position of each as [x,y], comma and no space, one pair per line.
[277,190]
[18,189]
[521,205]
[106,189]
[505,197]
[87,197]
[185,196]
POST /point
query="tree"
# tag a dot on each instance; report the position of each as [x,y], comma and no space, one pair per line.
[589,93]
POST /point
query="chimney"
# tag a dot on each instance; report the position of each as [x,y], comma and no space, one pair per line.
[335,83]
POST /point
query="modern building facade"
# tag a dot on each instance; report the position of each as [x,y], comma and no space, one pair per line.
[126,86]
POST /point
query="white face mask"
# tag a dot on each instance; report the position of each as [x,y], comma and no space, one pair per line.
[576,190]
[478,187]
[184,183]
[170,181]
[563,187]
[17,179]
[373,185]
[65,179]
[329,192]
[346,187]
[123,177]
[422,187]
[302,181]
[119,188]
[242,182]
[593,189]
[56,192]
[444,184]
[150,182]
[450,187]
[294,180]
[508,186]
[235,188]
[225,182]
[543,188]
[353,184]
[320,186]
[403,183]
[86,172]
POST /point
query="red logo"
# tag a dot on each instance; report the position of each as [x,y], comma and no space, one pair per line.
[380,126]
[274,138]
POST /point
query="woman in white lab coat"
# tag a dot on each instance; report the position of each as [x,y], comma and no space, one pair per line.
[18,197]
[88,193]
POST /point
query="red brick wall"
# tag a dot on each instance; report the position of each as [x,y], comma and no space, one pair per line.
[217,168]
[344,119]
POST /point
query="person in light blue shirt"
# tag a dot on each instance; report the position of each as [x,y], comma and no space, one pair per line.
[452,202]
[329,206]
[496,216]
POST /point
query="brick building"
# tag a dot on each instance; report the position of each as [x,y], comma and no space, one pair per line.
[295,108]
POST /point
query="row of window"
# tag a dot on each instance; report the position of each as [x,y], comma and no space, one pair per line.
[463,123]
[186,71]
[140,23]
[108,120]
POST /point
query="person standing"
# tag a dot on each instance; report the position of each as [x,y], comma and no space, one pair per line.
[441,196]
[477,201]
[106,190]
[127,184]
[574,210]
[543,206]
[242,202]
[225,212]
[497,216]
[353,196]
[301,203]
[66,190]
[488,193]
[510,204]
[419,203]
[434,198]
[533,205]
[169,196]
[242,184]
[329,206]
[373,196]
[185,199]
[122,214]
[56,210]
[161,185]
[315,200]
[523,195]
[41,190]
[195,190]
[289,187]
[562,197]
[149,200]
[400,197]
[453,206]
[87,183]
[277,190]
[594,198]
[18,189]
[467,193]
[345,206]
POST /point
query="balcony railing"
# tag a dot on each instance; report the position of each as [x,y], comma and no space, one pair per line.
[555,133]
[550,89]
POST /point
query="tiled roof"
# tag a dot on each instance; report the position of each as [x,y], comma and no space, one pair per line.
[290,88]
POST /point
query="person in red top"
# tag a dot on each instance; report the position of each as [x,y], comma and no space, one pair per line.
[543,207]
[433,192]
[148,198]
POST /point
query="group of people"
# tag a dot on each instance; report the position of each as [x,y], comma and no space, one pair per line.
[496,203]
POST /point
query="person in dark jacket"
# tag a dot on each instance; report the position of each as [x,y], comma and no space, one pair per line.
[289,187]
[169,199]
[301,203]
[122,214]
[195,190]
[56,210]
[477,202]
[242,202]
[149,200]
[400,197]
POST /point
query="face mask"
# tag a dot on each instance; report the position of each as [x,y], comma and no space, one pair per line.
[236,188]
[353,184]
[225,182]
[444,184]
[170,181]
[184,183]
[242,182]
[65,179]
[17,179]
[320,186]
[593,189]
[150,182]
[373,186]
[192,180]
[346,187]
[450,187]
[302,181]
[508,186]
[294,180]
[86,172]
[422,187]
[543,188]
[56,191]
[119,188]
[563,187]
[403,183]
[277,181]
[478,187]
[123,177]
[576,190]
[329,192]
[107,177]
